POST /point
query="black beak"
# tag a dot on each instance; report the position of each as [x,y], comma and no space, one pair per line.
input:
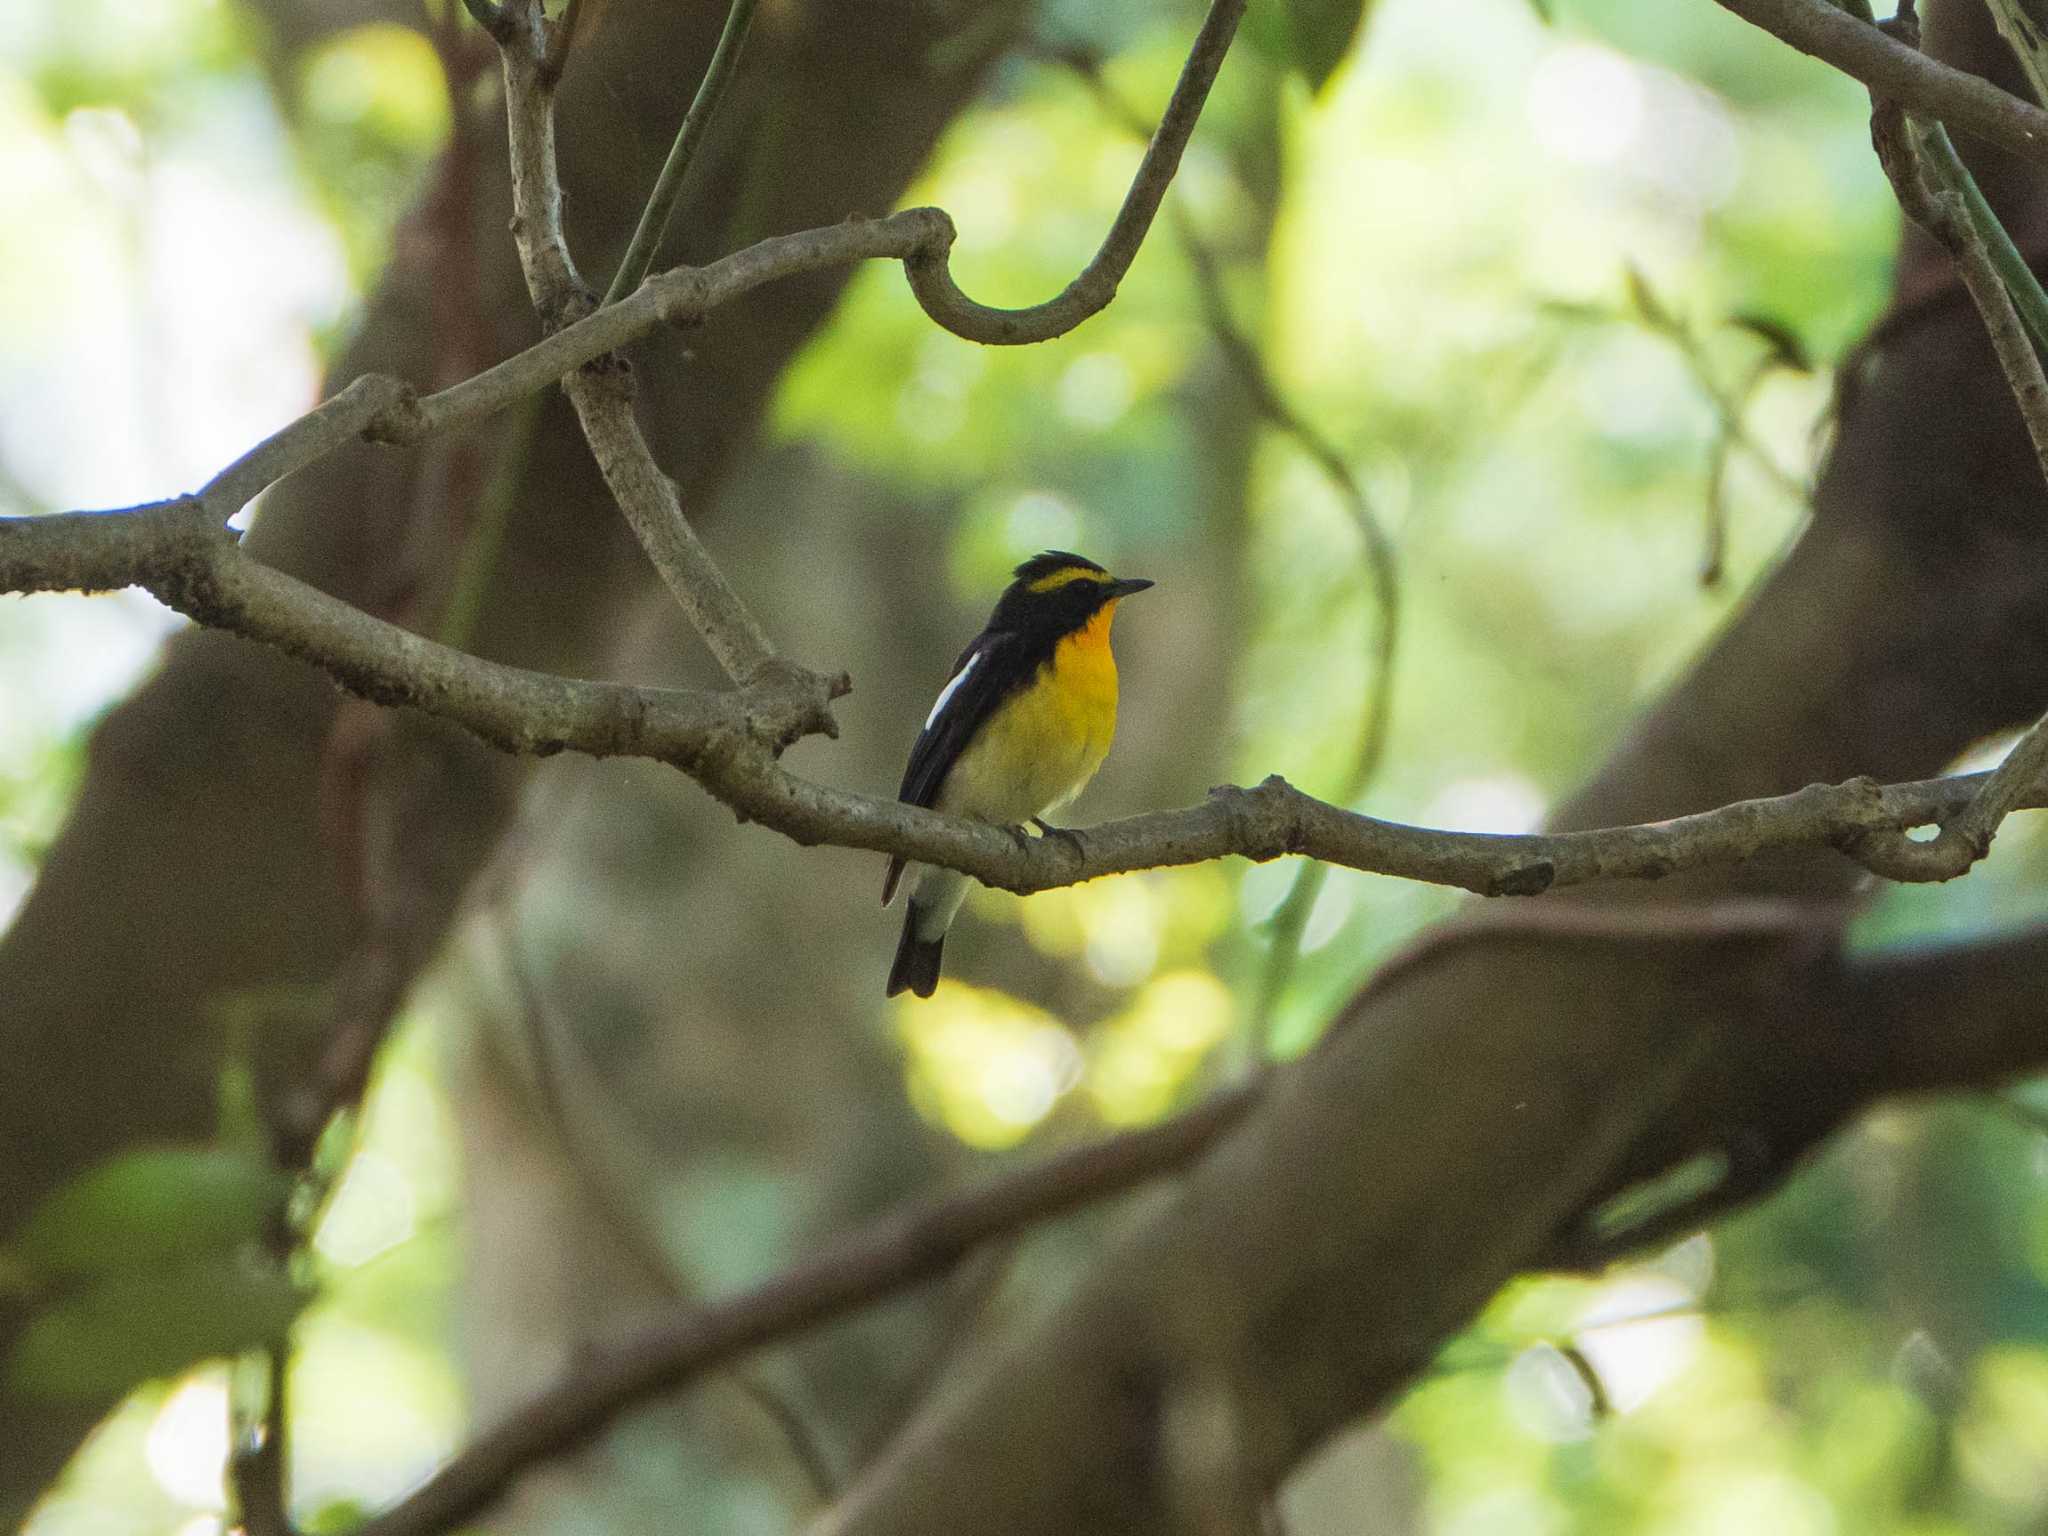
[1126,588]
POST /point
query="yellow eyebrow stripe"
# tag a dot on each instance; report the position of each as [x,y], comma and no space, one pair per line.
[1061,578]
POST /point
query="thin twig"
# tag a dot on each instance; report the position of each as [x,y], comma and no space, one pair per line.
[652,229]
[931,278]
[602,392]
[2014,271]
[562,40]
[1729,411]
[388,410]
[557,289]
[603,398]
[1290,922]
[1734,433]
[677,297]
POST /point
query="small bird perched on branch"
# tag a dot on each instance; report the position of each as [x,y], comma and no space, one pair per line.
[1018,731]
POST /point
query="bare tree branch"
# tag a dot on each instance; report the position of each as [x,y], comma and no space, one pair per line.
[1902,1012]
[387,410]
[921,1242]
[729,743]
[668,186]
[1290,919]
[173,549]
[931,279]
[1905,75]
[601,391]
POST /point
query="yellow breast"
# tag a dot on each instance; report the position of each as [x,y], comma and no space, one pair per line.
[1046,741]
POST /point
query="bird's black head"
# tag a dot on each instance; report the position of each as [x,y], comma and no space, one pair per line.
[1059,592]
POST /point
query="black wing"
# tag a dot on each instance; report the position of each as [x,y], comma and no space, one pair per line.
[985,673]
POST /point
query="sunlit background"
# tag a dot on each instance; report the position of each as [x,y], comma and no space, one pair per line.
[1527,278]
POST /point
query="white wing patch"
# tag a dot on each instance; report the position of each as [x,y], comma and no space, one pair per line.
[946,693]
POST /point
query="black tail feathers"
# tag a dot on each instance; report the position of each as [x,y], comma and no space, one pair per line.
[917,960]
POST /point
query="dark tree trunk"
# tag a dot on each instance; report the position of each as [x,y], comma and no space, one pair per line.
[1461,1118]
[192,871]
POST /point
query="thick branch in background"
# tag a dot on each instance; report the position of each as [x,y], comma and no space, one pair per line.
[1624,1122]
[1967,1016]
[192,869]
[1907,624]
[754,1064]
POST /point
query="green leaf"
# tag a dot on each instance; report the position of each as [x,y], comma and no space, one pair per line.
[336,1517]
[1787,350]
[1322,32]
[1267,32]
[143,1208]
[123,1330]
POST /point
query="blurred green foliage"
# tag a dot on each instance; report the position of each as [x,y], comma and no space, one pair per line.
[368,106]
[1447,294]
[143,1208]
[121,1329]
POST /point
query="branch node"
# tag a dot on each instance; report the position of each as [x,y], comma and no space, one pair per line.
[1531,879]
[398,417]
[786,702]
[931,278]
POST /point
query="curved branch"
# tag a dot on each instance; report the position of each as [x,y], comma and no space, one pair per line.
[931,277]
[676,297]
[387,410]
